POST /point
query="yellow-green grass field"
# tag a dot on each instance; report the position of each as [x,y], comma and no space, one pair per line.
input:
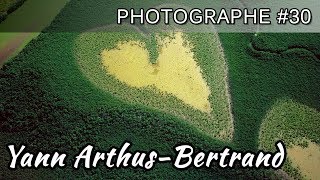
[182,84]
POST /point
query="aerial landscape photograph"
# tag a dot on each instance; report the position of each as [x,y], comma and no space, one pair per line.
[71,75]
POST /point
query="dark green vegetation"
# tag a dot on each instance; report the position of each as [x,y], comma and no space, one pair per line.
[293,118]
[281,68]
[48,103]
[151,45]
[256,83]
[8,6]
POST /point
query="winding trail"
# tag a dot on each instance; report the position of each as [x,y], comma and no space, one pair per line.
[315,55]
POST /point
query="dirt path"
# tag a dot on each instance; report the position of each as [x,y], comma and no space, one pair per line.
[10,48]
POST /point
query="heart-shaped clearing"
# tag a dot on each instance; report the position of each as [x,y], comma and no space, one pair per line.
[187,76]
[176,72]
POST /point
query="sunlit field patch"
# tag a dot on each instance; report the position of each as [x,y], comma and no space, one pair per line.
[187,77]
[307,159]
[298,126]
[175,71]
